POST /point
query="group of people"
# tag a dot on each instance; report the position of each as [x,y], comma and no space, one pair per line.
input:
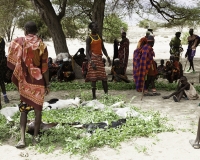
[29,61]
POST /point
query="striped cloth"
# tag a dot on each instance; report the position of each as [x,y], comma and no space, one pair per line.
[142,60]
[99,73]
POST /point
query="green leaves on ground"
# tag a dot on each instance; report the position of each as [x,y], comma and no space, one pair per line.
[76,141]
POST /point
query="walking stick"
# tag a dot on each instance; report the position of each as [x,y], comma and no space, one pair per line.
[143,89]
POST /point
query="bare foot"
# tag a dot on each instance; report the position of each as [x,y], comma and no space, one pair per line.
[20,144]
[194,144]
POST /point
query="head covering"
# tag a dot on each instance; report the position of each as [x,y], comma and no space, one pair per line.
[150,38]
[65,59]
[150,30]
[178,33]
[116,59]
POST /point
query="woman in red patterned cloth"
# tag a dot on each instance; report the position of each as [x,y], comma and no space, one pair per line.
[96,69]
[28,58]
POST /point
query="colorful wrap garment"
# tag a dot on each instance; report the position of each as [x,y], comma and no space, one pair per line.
[123,53]
[28,57]
[175,45]
[142,61]
[96,57]
[142,42]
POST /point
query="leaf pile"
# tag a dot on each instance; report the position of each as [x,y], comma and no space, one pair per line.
[71,139]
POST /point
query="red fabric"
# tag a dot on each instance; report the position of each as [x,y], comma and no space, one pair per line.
[28,57]
[96,45]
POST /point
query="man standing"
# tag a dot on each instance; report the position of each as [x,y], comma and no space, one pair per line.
[175,45]
[28,57]
[145,70]
[123,52]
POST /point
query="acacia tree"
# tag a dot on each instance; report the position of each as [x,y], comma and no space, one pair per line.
[53,22]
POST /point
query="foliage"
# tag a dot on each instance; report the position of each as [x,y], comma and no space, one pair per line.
[184,38]
[73,140]
[33,16]
[10,11]
[148,24]
[112,26]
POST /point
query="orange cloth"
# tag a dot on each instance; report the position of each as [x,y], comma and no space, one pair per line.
[96,45]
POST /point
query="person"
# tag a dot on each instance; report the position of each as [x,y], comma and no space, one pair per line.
[193,41]
[123,52]
[28,57]
[3,69]
[66,72]
[115,49]
[79,57]
[196,143]
[161,69]
[175,45]
[118,72]
[174,69]
[96,69]
[184,90]
[143,40]
[53,69]
[145,71]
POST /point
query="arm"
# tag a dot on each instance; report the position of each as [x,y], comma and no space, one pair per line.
[105,53]
[88,54]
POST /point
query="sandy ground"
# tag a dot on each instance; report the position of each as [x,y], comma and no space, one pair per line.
[165,146]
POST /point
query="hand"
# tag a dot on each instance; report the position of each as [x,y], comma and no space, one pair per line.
[109,61]
[47,90]
[186,55]
[93,65]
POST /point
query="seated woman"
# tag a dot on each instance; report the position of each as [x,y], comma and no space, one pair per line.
[118,72]
[174,69]
[53,68]
[184,90]
[66,72]
[161,69]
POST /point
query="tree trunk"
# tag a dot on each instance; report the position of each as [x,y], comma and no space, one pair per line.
[47,13]
[98,14]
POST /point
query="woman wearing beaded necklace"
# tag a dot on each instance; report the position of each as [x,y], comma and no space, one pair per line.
[96,69]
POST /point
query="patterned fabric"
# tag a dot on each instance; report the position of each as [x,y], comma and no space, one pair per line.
[123,53]
[23,107]
[142,42]
[28,57]
[99,73]
[142,61]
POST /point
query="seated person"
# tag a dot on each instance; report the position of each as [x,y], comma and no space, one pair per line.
[174,69]
[184,90]
[161,69]
[150,80]
[118,72]
[66,72]
[79,57]
[53,68]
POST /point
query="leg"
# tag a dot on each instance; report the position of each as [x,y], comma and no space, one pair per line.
[105,86]
[23,121]
[192,64]
[93,90]
[38,116]
[3,88]
[196,143]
